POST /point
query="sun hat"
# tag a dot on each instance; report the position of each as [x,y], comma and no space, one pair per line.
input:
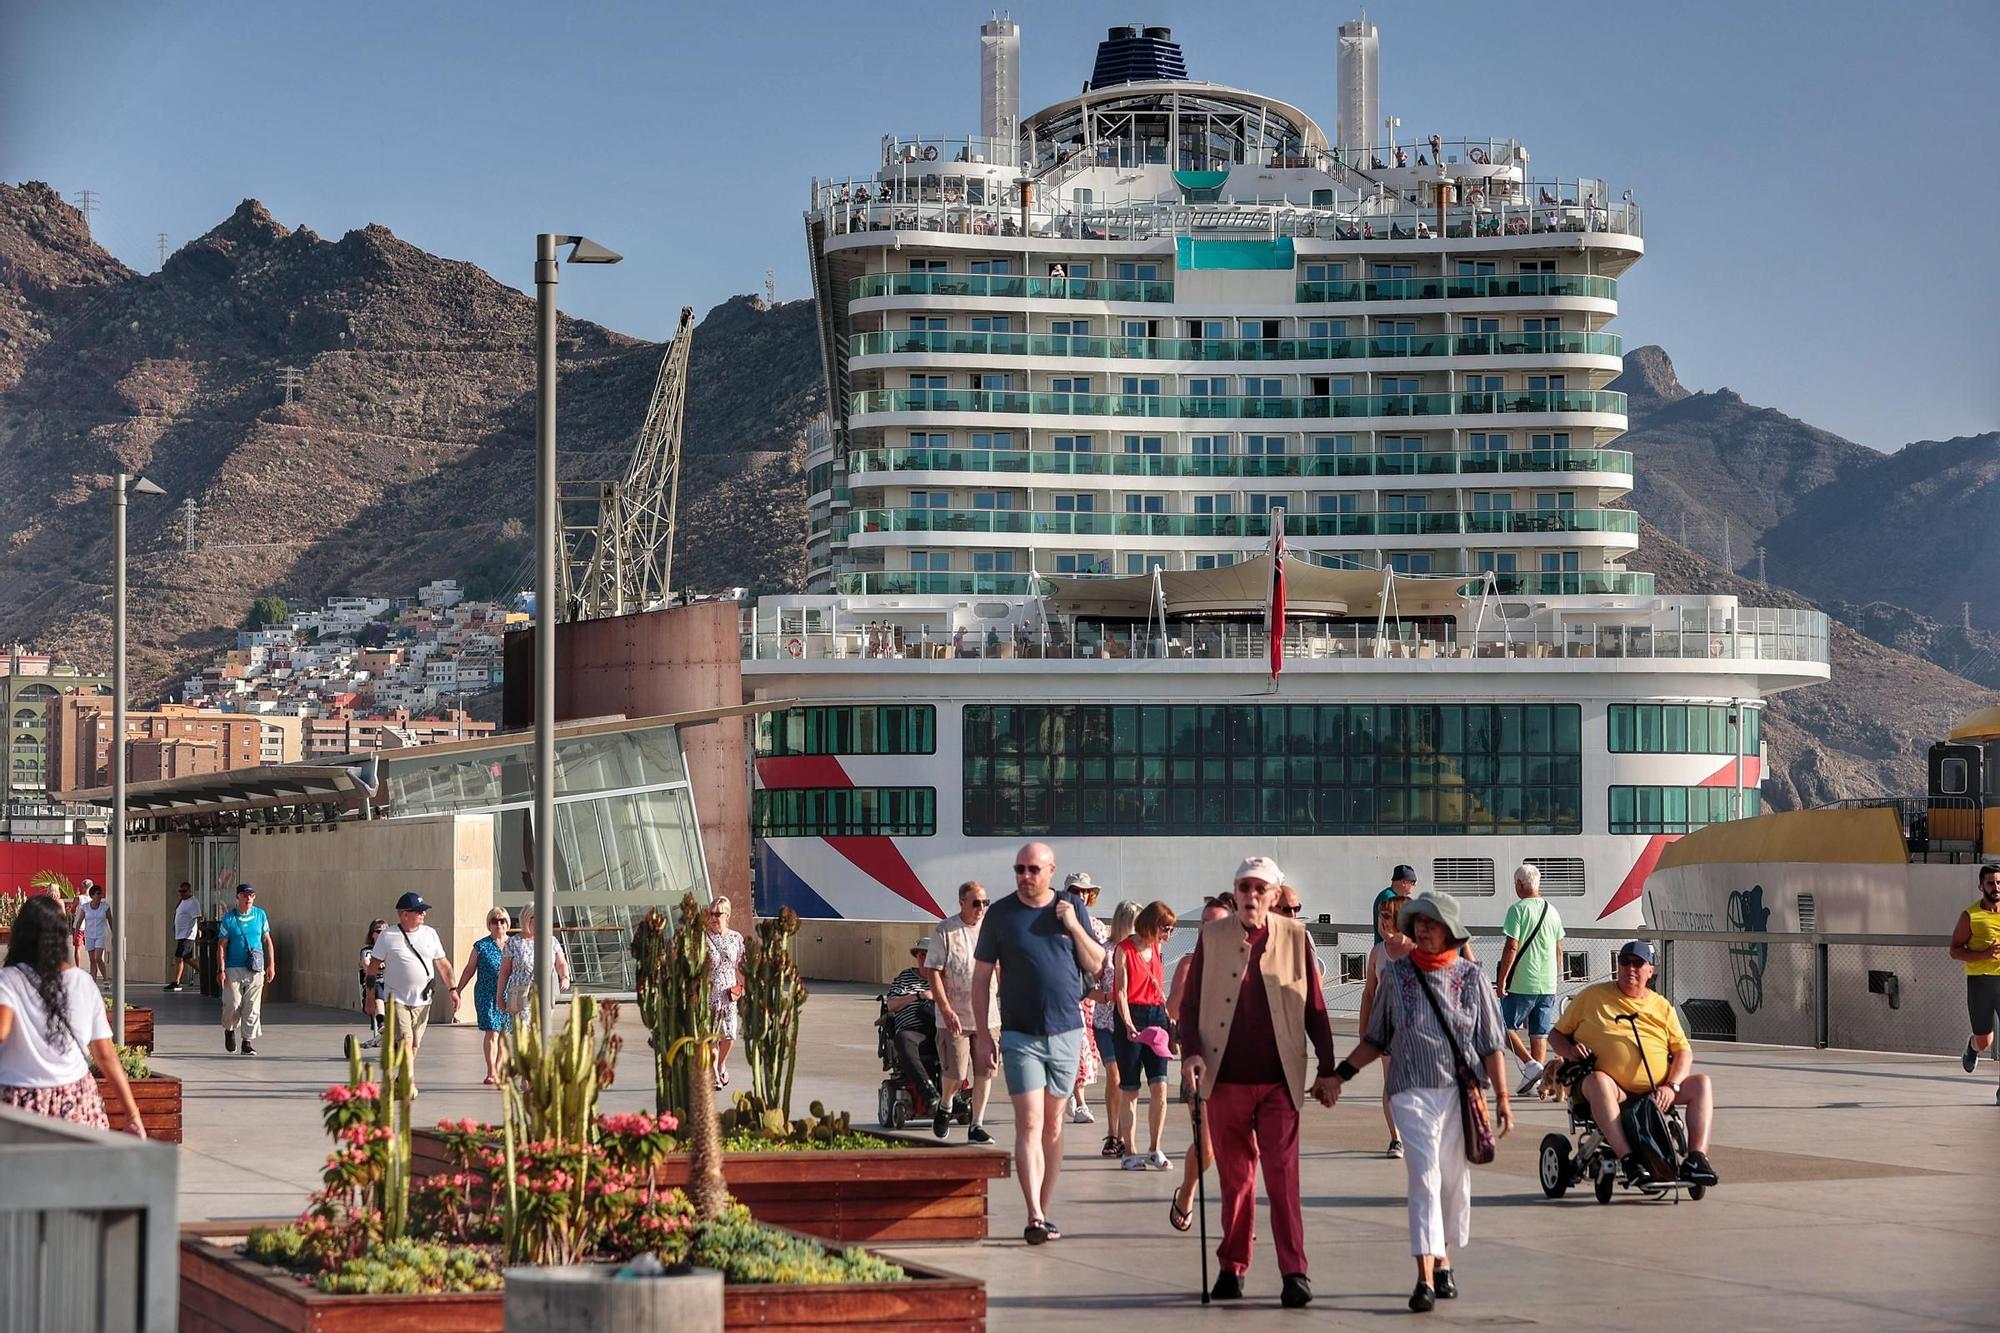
[1260,867]
[1079,881]
[921,946]
[1438,906]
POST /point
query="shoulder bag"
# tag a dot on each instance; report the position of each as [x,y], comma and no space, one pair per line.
[1526,944]
[1473,1115]
[430,983]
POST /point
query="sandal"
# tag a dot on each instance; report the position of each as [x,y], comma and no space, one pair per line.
[1035,1233]
[1113,1147]
[1178,1217]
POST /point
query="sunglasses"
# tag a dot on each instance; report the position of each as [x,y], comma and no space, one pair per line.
[1283,910]
[1031,870]
[1631,960]
[1251,886]
[981,902]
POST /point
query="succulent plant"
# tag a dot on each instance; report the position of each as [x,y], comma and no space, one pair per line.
[773,996]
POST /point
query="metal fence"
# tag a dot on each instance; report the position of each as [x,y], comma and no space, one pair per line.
[1856,992]
[87,1229]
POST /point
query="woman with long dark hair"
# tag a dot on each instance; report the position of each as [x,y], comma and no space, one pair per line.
[53,1026]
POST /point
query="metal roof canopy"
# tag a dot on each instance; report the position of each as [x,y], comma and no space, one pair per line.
[342,782]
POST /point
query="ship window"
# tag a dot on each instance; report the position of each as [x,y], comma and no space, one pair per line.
[1954,777]
[1680,729]
[844,812]
[1353,769]
[1677,809]
[848,729]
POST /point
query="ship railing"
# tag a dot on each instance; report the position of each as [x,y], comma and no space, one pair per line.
[929,153]
[940,202]
[1059,638]
[1814,988]
[1934,828]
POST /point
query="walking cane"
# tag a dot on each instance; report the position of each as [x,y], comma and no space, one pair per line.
[1200,1182]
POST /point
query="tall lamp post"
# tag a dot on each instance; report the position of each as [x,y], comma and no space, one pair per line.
[120,900]
[548,533]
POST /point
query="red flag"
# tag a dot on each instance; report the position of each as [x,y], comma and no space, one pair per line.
[1274,613]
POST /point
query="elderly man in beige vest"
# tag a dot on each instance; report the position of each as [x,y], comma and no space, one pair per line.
[1253,1002]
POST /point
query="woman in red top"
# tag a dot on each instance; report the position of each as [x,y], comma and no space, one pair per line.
[1141,995]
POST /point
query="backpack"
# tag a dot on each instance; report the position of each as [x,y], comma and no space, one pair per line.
[1646,1129]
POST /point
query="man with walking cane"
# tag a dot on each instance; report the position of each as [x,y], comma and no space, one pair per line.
[1253,1003]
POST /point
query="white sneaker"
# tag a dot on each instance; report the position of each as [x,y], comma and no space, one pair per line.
[1531,1074]
[1136,1162]
[375,1040]
[1159,1161]
[1080,1114]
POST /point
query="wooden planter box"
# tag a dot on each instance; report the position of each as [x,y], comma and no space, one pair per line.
[159,1099]
[926,1192]
[138,1028]
[223,1292]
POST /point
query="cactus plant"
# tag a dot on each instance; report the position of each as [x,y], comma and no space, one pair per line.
[673,976]
[773,996]
[549,1087]
[388,1117]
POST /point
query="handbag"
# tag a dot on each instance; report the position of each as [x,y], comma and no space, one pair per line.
[1473,1116]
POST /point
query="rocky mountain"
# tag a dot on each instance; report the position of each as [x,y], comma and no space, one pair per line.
[1973,653]
[1714,471]
[1862,733]
[1919,528]
[404,452]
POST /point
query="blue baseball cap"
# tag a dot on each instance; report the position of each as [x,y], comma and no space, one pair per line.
[1638,949]
[412,902]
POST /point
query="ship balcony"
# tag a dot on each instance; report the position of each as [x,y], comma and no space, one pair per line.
[1500,409]
[1008,286]
[890,348]
[1610,468]
[1461,287]
[1724,638]
[884,527]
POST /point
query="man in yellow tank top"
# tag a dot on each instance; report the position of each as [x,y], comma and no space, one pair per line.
[1976,943]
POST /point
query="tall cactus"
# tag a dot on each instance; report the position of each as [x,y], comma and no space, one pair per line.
[673,970]
[391,1113]
[549,1088]
[773,996]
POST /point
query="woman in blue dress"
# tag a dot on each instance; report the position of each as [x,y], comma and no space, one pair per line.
[494,1020]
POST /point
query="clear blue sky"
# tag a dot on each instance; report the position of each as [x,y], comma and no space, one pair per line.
[1814,172]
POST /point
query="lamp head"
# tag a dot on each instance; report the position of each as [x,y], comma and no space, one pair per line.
[587,251]
[140,486]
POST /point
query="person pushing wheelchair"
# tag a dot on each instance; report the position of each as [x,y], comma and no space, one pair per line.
[1640,1050]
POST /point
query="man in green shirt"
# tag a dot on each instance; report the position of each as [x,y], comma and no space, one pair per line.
[1528,972]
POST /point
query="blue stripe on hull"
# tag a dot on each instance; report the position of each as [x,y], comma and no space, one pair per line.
[779,887]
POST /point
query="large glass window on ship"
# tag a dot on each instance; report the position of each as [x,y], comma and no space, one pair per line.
[1158,770]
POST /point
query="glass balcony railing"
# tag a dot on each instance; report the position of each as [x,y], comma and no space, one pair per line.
[1469,287]
[1339,406]
[1597,583]
[1049,463]
[1008,285]
[905,582]
[1023,522]
[965,343]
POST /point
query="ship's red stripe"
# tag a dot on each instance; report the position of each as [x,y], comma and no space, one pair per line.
[1635,881]
[877,857]
[805,770]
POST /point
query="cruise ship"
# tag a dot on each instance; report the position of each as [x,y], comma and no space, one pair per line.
[1078,366]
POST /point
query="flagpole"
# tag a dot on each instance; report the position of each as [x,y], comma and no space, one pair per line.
[1274,607]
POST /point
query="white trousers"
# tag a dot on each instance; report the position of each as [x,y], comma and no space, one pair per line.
[1440,1177]
[243,1002]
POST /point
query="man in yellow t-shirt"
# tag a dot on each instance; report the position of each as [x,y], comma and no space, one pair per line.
[1637,1039]
[1975,941]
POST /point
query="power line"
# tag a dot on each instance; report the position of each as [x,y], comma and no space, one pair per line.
[86,204]
[292,380]
[163,249]
[187,525]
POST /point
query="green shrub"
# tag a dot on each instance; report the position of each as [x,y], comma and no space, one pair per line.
[410,1268]
[746,1251]
[132,1059]
[275,1245]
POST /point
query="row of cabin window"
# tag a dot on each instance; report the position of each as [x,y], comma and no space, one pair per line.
[1253,445]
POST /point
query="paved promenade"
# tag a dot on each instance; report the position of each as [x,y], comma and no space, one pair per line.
[1858,1190]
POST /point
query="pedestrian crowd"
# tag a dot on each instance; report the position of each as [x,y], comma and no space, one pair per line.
[1053,999]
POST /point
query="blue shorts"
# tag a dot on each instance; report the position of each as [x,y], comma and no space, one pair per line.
[1035,1063]
[1534,1013]
[1107,1045]
[1135,1059]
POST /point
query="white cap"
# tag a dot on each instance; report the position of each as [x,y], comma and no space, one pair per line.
[1260,867]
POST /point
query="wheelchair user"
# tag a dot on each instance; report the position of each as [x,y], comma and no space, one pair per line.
[1628,1027]
[912,1023]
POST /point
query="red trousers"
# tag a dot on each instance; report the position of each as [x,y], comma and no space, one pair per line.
[1249,1122]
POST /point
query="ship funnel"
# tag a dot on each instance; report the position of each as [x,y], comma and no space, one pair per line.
[1000,89]
[1358,95]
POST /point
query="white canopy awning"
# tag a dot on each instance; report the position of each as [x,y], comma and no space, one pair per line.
[1244,588]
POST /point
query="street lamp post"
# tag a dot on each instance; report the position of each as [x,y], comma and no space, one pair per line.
[120,901]
[548,533]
